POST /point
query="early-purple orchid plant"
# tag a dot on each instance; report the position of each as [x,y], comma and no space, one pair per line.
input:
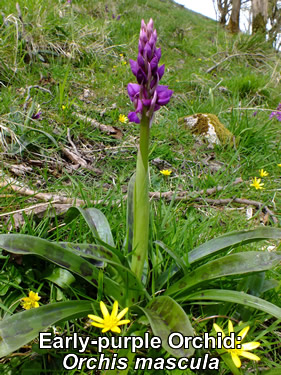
[148,96]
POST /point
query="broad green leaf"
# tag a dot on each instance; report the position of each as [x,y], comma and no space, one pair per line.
[232,239]
[21,328]
[234,264]
[96,253]
[61,277]
[96,221]
[235,297]
[165,317]
[24,244]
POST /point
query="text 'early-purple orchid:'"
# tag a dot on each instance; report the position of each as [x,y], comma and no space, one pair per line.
[147,95]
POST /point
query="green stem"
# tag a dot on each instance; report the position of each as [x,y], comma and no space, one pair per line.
[141,202]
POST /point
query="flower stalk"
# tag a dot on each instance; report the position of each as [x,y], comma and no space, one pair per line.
[141,201]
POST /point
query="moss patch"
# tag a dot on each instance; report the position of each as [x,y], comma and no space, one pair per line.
[207,124]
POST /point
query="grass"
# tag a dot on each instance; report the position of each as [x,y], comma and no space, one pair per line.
[80,55]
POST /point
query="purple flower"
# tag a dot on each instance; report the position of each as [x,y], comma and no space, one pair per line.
[277,113]
[36,116]
[147,95]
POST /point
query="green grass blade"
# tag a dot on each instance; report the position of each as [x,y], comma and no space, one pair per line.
[232,239]
[173,255]
[235,297]
[234,264]
[21,328]
[166,316]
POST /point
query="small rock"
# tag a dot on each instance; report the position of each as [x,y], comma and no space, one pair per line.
[208,126]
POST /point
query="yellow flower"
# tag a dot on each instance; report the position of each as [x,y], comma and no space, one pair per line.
[30,301]
[244,350]
[279,165]
[263,173]
[109,322]
[257,183]
[166,172]
[63,107]
[121,54]
[124,62]
[123,119]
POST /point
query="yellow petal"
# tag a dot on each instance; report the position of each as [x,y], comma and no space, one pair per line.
[243,333]
[34,296]
[126,321]
[104,310]
[26,305]
[116,329]
[230,327]
[96,318]
[114,309]
[249,355]
[105,330]
[250,345]
[35,304]
[218,329]
[99,325]
[236,360]
[122,313]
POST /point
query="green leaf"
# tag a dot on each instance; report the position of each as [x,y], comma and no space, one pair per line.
[24,244]
[61,277]
[21,328]
[234,264]
[235,297]
[165,317]
[96,221]
[230,240]
[94,253]
[128,245]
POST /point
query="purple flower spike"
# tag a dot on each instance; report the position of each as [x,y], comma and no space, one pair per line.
[148,96]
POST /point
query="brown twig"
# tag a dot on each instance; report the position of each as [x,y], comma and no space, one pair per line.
[185,195]
[108,129]
[182,196]
[247,202]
